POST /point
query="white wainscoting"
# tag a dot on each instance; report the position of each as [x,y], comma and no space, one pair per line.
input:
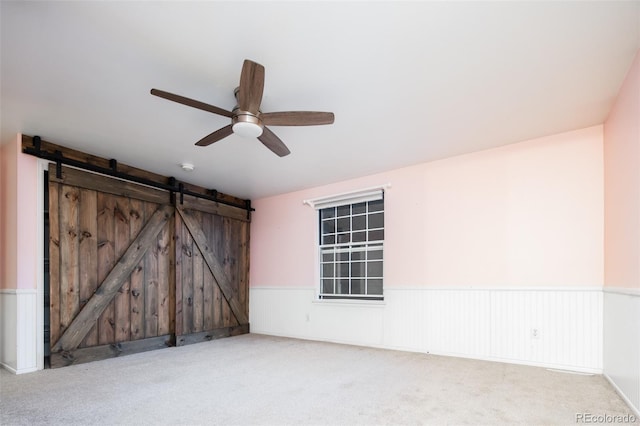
[622,343]
[556,328]
[18,338]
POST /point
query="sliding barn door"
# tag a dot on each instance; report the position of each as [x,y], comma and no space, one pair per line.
[130,271]
[111,270]
[212,267]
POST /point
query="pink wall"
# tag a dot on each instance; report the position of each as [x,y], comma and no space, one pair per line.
[8,215]
[18,217]
[622,184]
[527,214]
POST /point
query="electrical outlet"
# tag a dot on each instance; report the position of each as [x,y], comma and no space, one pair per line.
[535,333]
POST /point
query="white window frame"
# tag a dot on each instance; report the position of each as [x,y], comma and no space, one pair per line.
[352,197]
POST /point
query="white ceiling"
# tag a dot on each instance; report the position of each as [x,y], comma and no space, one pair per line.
[408,82]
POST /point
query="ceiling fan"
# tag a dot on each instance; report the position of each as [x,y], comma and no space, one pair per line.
[246,118]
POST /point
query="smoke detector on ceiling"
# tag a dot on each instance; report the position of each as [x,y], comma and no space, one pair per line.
[187,167]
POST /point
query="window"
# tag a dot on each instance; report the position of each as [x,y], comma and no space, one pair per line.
[351,250]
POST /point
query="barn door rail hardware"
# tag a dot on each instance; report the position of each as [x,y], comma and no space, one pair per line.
[173,186]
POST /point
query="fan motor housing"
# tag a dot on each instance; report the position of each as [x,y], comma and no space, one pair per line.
[246,124]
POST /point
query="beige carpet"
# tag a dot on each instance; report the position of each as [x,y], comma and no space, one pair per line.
[253,379]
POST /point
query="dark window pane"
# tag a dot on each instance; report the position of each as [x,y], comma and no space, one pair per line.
[343,224]
[327,257]
[329,226]
[343,286]
[359,208]
[359,237]
[374,254]
[342,269]
[359,223]
[376,206]
[374,287]
[344,210]
[327,213]
[376,235]
[374,269]
[343,238]
[357,286]
[327,270]
[329,239]
[376,220]
[327,286]
[357,269]
[343,256]
[358,255]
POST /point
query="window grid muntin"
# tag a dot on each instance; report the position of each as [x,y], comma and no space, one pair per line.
[331,250]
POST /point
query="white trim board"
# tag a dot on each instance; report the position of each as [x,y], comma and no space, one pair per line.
[43,166]
[18,291]
[18,336]
[621,346]
[494,288]
[450,288]
[350,197]
[622,395]
[623,290]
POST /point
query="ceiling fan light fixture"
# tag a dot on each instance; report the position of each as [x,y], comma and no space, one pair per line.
[246,124]
[247,130]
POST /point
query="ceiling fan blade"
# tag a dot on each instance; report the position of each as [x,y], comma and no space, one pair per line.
[271,141]
[297,118]
[191,102]
[215,136]
[251,86]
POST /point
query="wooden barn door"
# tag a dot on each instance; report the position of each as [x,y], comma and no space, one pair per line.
[212,271]
[130,272]
[111,268]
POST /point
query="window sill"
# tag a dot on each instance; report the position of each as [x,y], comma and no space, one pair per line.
[346,302]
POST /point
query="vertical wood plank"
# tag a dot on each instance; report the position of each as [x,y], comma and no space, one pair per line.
[88,225]
[151,282]
[230,264]
[164,279]
[69,255]
[122,240]
[171,309]
[216,244]
[208,296]
[106,261]
[136,300]
[198,284]
[54,263]
[177,247]
[187,281]
[243,266]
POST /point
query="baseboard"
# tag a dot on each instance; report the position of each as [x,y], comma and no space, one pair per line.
[560,367]
[622,395]
[19,371]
